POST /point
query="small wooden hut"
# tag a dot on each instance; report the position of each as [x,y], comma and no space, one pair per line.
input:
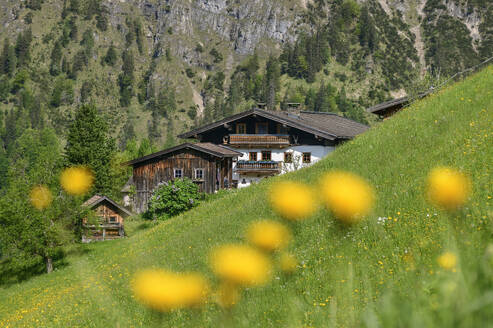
[111,219]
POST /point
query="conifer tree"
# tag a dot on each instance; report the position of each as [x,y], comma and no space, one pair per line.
[89,143]
[56,57]
[8,60]
[111,56]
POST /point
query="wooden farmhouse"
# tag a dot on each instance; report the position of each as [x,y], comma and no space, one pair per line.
[242,149]
[111,219]
[206,164]
[274,142]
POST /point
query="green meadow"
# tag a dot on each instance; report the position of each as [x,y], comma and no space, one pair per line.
[382,272]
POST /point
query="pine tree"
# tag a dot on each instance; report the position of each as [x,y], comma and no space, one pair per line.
[89,143]
[22,47]
[111,56]
[56,57]
[126,78]
[8,60]
[272,82]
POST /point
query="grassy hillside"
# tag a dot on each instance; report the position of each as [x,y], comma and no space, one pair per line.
[381,272]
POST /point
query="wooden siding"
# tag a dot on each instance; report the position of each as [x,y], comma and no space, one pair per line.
[105,230]
[148,175]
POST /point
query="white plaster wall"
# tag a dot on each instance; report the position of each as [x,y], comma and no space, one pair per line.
[318,152]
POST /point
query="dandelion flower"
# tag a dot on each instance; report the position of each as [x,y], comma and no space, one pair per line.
[77,180]
[228,295]
[293,201]
[241,265]
[166,291]
[347,196]
[268,235]
[447,261]
[448,188]
[40,197]
[288,263]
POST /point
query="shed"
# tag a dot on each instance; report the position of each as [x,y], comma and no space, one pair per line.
[111,219]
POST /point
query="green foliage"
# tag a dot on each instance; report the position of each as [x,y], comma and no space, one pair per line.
[111,56]
[126,78]
[22,47]
[218,57]
[56,58]
[63,92]
[31,238]
[173,198]
[89,143]
[8,59]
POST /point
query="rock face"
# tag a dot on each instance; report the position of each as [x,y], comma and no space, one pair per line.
[243,24]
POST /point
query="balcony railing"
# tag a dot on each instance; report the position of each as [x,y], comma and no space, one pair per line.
[260,166]
[257,139]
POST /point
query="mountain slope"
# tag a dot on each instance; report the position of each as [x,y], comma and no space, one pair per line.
[185,55]
[381,272]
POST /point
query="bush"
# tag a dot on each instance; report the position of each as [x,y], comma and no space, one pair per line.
[172,198]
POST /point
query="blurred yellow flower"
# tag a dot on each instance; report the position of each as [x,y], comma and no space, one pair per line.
[293,201]
[165,291]
[77,180]
[447,261]
[268,235]
[448,188]
[40,197]
[347,196]
[288,262]
[242,265]
[228,295]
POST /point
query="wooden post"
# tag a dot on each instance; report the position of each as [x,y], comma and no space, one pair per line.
[104,233]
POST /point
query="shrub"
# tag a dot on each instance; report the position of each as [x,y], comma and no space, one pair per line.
[172,198]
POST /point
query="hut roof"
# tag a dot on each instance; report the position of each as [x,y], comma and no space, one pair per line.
[96,200]
[204,147]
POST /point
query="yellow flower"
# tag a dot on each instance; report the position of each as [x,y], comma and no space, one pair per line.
[293,201]
[288,263]
[228,295]
[448,188]
[242,265]
[40,197]
[77,180]
[447,261]
[268,235]
[347,196]
[165,291]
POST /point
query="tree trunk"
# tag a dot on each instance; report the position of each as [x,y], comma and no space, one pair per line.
[49,265]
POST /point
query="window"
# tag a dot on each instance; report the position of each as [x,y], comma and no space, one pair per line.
[113,219]
[253,156]
[241,128]
[262,128]
[266,155]
[288,157]
[199,174]
[282,129]
[178,173]
[307,157]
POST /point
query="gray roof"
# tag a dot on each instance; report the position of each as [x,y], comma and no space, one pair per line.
[204,147]
[326,125]
[98,199]
[397,103]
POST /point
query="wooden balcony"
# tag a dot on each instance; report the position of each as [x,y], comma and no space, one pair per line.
[252,140]
[258,167]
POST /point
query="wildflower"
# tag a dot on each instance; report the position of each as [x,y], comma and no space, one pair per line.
[448,188]
[293,201]
[241,265]
[268,235]
[165,291]
[77,180]
[40,197]
[348,196]
[228,295]
[447,261]
[288,263]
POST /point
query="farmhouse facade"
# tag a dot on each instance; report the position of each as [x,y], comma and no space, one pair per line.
[274,142]
[111,218]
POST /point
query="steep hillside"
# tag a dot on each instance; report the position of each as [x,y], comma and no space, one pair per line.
[155,68]
[383,272]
